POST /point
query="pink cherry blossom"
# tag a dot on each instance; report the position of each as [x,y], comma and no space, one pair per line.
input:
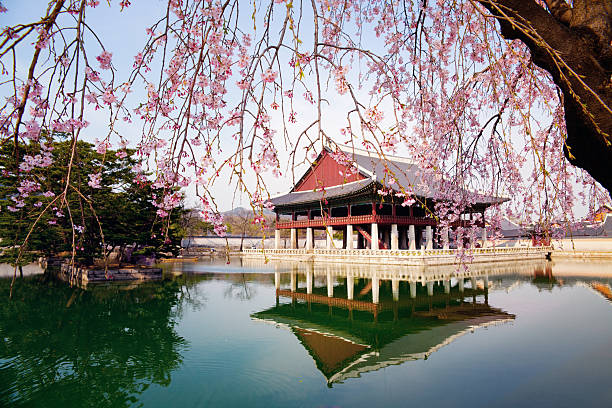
[105,59]
[94,180]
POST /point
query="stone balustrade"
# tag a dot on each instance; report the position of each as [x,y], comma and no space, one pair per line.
[404,256]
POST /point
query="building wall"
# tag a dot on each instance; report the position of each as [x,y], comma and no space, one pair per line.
[326,173]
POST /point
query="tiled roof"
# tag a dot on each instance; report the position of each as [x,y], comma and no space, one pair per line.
[380,170]
[302,197]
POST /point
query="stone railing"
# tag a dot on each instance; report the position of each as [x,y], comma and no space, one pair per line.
[278,251]
[402,252]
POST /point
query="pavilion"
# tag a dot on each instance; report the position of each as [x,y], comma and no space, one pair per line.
[357,192]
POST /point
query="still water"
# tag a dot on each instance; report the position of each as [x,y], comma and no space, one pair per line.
[217,335]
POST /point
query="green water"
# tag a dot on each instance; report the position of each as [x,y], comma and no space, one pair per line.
[217,335]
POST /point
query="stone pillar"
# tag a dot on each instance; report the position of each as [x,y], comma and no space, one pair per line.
[374,235]
[447,286]
[473,280]
[293,243]
[293,281]
[277,239]
[460,283]
[330,284]
[411,238]
[429,237]
[309,238]
[309,279]
[394,237]
[329,236]
[413,286]
[350,286]
[395,289]
[445,238]
[486,282]
[277,280]
[484,237]
[402,239]
[375,289]
[349,237]
[430,288]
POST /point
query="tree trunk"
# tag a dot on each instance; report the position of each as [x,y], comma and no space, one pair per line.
[573,45]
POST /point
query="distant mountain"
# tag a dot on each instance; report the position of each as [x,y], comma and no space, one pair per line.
[242,211]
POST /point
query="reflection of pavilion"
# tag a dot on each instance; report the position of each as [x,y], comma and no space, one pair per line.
[356,324]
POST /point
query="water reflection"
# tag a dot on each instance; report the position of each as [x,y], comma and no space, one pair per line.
[101,347]
[200,339]
[356,319]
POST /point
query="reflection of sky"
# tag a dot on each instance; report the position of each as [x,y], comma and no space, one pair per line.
[556,353]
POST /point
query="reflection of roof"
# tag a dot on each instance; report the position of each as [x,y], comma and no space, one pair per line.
[418,346]
[345,344]
[331,353]
[380,170]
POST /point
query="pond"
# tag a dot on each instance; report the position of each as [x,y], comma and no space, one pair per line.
[218,335]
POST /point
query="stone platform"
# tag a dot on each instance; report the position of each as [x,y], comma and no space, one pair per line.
[85,275]
[429,257]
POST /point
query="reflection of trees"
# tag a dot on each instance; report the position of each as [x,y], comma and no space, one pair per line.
[240,288]
[103,347]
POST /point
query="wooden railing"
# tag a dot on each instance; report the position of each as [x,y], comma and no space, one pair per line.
[356,220]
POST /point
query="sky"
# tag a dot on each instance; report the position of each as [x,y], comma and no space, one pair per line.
[123,33]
